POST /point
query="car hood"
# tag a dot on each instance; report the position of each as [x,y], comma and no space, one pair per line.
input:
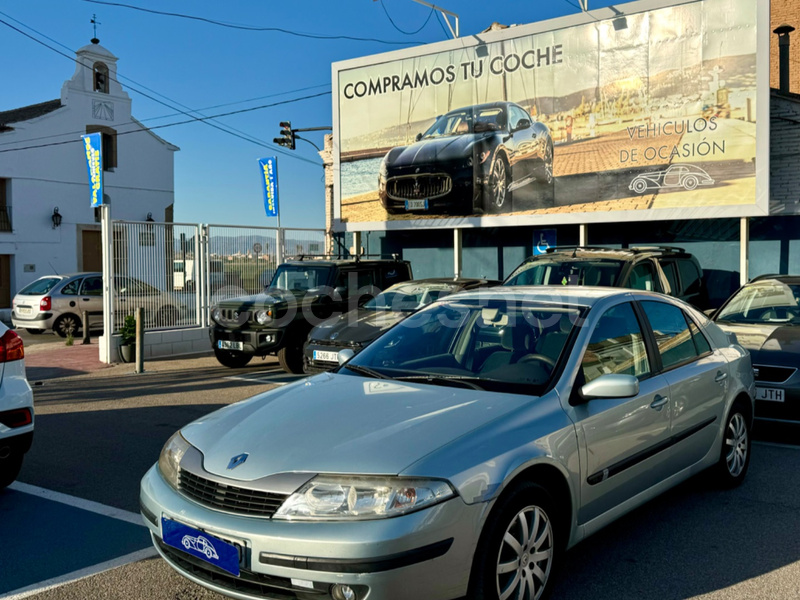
[361,325]
[335,423]
[781,342]
[456,147]
[265,298]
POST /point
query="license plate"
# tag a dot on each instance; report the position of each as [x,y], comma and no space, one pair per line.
[201,544]
[229,345]
[326,356]
[769,394]
[24,310]
[417,204]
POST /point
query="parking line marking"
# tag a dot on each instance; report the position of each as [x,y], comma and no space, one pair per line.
[776,445]
[49,584]
[88,505]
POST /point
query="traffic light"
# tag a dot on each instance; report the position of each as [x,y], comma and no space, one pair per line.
[288,135]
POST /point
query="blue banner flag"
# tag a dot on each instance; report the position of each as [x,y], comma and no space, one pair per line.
[269,179]
[93,146]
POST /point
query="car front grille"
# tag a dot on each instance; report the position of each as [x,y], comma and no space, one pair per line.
[229,314]
[229,498]
[772,374]
[419,187]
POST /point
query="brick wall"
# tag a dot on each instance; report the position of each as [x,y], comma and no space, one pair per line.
[784,12]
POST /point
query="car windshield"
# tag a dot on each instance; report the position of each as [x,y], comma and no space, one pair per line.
[465,121]
[572,271]
[40,286]
[129,285]
[492,345]
[299,278]
[408,297]
[763,302]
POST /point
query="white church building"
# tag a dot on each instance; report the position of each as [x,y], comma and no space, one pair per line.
[47,224]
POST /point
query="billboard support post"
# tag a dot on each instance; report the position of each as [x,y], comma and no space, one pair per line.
[583,232]
[457,252]
[744,250]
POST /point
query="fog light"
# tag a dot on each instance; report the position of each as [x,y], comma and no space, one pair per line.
[269,338]
[342,592]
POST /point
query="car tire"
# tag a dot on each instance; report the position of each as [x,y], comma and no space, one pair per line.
[291,359]
[167,316]
[527,513]
[734,458]
[34,331]
[65,323]
[639,186]
[690,183]
[545,176]
[232,359]
[9,468]
[496,197]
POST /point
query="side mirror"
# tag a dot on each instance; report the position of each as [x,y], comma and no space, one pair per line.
[611,386]
[734,341]
[709,312]
[344,355]
[419,137]
[522,124]
[340,291]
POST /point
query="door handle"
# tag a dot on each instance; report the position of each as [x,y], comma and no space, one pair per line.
[659,402]
[720,377]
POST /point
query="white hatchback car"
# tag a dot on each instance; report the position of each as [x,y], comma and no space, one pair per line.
[16,406]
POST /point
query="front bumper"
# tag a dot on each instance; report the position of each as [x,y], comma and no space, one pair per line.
[463,197]
[317,365]
[789,409]
[254,341]
[426,554]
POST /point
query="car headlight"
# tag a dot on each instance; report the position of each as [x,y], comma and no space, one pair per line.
[170,459]
[384,170]
[342,497]
[263,316]
[216,314]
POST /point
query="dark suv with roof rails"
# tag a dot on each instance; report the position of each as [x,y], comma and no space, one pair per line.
[303,292]
[664,269]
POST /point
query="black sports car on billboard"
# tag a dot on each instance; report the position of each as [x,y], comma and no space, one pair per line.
[469,161]
[765,316]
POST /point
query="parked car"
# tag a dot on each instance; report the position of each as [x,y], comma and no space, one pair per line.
[16,406]
[664,269]
[56,302]
[460,453]
[358,328]
[302,293]
[765,316]
[468,161]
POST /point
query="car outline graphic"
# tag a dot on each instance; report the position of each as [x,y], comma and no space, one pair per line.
[200,544]
[679,175]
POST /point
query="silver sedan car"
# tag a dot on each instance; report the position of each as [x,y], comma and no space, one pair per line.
[460,454]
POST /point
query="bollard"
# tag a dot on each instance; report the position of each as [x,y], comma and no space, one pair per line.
[139,340]
[86,339]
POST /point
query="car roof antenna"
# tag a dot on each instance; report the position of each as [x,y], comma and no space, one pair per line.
[52,267]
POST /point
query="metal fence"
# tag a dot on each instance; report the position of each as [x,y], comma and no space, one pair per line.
[177,271]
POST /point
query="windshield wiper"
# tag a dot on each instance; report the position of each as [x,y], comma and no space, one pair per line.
[464,381]
[367,371]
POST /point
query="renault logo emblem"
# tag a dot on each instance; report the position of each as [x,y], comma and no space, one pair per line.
[237,460]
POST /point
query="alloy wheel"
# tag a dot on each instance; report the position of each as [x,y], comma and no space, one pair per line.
[499,183]
[737,441]
[525,557]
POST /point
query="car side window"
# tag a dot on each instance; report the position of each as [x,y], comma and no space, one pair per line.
[673,337]
[92,286]
[616,346]
[700,342]
[515,116]
[72,288]
[671,273]
[690,277]
[643,277]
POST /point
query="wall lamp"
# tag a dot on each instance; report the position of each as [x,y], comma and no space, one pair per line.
[56,218]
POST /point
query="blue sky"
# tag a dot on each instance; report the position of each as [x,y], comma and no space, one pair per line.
[200,65]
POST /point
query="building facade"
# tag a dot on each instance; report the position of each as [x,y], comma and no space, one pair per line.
[47,224]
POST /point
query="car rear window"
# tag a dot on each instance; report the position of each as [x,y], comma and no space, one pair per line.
[40,286]
[555,271]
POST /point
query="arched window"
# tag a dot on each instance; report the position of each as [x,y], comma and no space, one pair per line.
[109,138]
[100,77]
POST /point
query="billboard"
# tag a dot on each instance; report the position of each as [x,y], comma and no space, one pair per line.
[656,113]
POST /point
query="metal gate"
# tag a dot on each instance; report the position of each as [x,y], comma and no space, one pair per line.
[177,271]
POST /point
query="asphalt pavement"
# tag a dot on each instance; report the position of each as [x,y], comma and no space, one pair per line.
[70,530]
